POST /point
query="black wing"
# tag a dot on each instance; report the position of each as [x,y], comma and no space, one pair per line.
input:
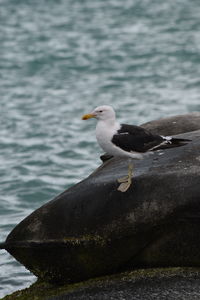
[135,138]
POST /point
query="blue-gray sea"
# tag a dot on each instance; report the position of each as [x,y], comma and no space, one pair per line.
[58,60]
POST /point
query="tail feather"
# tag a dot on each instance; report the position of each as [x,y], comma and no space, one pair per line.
[172,143]
[176,140]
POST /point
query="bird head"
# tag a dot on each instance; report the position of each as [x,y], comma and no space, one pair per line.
[104,112]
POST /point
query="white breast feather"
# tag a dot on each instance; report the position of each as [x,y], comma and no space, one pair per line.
[104,135]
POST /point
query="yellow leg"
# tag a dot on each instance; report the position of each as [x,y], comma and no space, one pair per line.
[127,180]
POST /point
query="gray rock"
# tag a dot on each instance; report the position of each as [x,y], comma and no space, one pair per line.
[92,229]
[143,284]
[146,285]
[174,125]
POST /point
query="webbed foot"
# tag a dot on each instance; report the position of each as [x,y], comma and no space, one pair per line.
[126,181]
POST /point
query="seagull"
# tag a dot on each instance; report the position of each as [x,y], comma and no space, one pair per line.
[123,140]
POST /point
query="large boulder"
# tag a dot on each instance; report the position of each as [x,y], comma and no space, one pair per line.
[146,284]
[92,229]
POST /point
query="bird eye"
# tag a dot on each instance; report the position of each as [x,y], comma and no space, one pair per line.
[101,111]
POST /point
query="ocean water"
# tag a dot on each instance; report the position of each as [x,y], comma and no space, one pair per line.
[58,60]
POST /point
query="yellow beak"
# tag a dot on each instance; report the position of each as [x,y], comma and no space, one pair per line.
[88,116]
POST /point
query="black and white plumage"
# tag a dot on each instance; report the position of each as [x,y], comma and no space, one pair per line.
[122,140]
[135,138]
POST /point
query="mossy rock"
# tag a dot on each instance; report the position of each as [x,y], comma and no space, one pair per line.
[145,284]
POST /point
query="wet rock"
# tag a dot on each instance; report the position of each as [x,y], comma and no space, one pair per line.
[174,125]
[92,229]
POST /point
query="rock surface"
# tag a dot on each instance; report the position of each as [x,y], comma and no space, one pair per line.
[144,284]
[175,124]
[92,229]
